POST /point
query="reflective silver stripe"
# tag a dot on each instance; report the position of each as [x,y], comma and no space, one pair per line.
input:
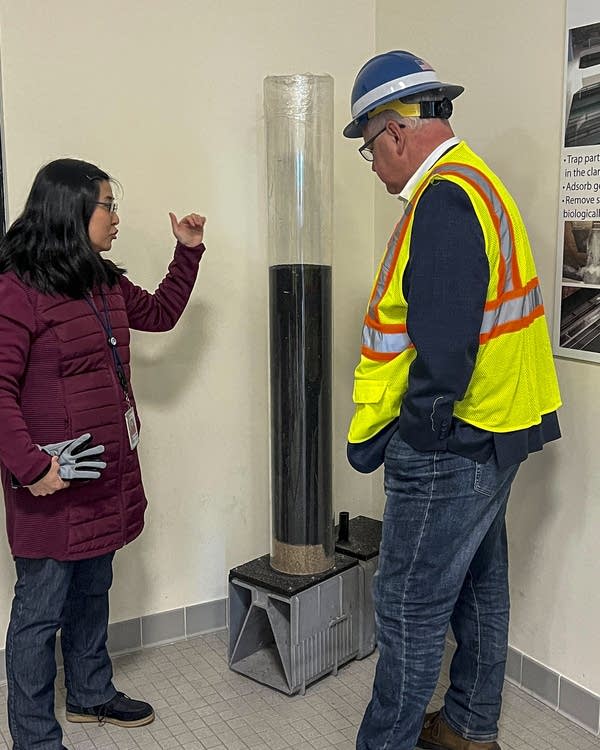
[512,310]
[490,193]
[391,87]
[385,343]
[387,262]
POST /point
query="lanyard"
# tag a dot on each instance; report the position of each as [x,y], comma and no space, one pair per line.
[112,342]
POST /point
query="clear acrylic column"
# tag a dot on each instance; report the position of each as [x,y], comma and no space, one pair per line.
[299,129]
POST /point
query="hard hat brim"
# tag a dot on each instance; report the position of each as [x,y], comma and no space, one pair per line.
[448,90]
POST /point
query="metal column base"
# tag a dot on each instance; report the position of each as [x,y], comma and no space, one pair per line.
[288,631]
[364,538]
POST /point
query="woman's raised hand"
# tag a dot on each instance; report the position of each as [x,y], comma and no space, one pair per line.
[190,230]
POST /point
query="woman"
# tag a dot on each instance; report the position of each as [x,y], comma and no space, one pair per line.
[65,315]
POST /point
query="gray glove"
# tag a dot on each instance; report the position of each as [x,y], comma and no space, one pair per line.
[76,461]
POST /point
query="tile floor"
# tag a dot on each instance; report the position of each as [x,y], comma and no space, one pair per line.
[202,705]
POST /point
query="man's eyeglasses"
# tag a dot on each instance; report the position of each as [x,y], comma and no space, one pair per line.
[111,206]
[366,150]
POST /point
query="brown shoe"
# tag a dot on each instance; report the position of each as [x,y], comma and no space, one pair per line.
[437,735]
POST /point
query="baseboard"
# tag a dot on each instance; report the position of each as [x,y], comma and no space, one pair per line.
[153,630]
[567,698]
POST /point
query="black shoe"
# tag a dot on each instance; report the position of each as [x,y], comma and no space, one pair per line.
[120,710]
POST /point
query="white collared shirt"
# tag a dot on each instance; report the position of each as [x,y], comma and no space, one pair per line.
[408,189]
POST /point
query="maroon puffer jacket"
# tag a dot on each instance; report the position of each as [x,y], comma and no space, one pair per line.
[58,381]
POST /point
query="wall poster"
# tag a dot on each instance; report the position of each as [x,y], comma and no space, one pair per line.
[577,317]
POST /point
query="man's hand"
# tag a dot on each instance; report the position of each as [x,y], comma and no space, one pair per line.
[50,482]
[190,230]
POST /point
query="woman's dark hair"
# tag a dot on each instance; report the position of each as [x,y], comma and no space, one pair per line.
[48,246]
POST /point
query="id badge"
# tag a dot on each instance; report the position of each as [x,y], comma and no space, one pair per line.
[132,430]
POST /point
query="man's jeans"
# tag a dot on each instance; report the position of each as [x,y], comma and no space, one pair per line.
[50,595]
[443,560]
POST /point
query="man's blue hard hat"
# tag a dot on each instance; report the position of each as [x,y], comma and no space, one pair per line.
[392,75]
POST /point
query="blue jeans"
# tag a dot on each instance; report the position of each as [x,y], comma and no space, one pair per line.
[50,595]
[443,560]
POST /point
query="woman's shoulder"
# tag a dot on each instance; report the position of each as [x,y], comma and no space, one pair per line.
[10,283]
[10,277]
[17,300]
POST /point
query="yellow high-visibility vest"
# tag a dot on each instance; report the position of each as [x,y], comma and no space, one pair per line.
[514,380]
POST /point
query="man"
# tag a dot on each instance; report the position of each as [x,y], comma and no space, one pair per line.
[455,387]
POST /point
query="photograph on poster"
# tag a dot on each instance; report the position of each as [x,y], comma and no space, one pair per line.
[580,319]
[581,252]
[582,109]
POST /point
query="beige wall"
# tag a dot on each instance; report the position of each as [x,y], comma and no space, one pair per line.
[168,98]
[509,56]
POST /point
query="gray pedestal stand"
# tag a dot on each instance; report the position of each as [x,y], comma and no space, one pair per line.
[288,631]
[364,537]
